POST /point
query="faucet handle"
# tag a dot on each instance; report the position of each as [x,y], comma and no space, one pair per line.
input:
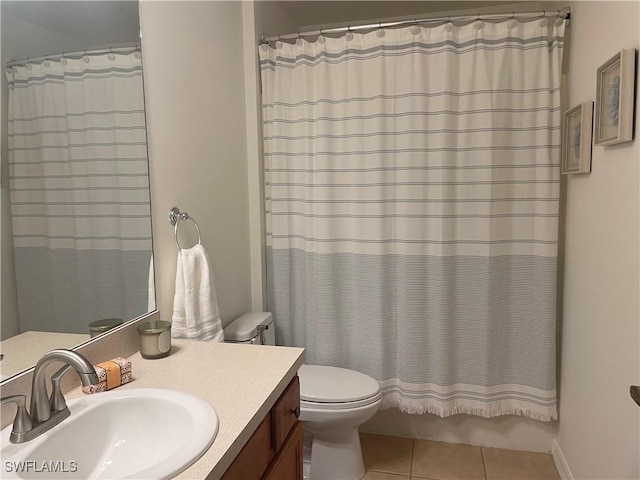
[22,422]
[57,402]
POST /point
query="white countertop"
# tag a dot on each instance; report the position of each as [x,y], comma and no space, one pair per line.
[241,382]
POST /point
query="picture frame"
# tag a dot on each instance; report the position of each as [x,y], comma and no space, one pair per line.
[615,99]
[576,139]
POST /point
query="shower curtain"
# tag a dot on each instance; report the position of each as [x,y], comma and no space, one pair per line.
[412,184]
[79,190]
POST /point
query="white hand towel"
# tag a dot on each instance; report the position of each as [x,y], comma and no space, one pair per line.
[195,304]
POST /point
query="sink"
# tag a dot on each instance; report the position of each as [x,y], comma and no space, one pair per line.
[145,433]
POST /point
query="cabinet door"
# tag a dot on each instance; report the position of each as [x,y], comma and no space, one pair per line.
[255,456]
[285,413]
[288,464]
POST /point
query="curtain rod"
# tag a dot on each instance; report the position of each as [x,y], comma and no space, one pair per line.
[565,14]
[80,54]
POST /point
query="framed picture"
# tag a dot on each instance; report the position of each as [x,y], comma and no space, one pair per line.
[576,139]
[615,99]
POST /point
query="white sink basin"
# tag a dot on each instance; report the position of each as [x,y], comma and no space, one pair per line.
[136,434]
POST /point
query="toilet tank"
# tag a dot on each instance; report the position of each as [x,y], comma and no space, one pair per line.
[253,328]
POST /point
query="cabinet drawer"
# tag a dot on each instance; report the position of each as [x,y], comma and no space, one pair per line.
[285,413]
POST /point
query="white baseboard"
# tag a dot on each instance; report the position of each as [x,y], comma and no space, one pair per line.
[560,461]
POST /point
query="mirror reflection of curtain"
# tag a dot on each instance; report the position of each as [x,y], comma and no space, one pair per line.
[79,190]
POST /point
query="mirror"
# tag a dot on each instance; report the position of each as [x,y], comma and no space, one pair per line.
[76,214]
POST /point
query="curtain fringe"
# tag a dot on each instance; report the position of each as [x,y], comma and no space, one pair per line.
[494,409]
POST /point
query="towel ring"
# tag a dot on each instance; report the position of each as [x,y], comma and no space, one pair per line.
[174,219]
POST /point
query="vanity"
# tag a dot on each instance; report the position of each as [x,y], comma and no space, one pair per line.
[254,391]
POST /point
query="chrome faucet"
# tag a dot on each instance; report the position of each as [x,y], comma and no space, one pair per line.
[48,412]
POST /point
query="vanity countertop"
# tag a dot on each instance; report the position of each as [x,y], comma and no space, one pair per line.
[242,382]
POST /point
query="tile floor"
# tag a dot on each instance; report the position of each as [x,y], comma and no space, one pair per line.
[396,458]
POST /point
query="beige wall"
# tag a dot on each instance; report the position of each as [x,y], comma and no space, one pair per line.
[599,435]
[194,87]
[258,18]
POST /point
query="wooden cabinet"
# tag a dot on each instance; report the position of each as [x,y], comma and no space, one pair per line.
[288,464]
[274,451]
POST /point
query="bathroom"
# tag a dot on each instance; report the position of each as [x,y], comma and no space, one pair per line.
[204,150]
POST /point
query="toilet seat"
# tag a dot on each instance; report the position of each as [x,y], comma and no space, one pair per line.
[332,388]
[305,404]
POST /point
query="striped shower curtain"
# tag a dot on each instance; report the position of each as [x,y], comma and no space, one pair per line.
[412,184]
[79,190]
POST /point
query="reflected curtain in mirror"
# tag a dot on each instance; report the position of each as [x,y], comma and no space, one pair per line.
[79,190]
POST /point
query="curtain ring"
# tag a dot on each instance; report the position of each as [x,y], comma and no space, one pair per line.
[349,35]
[415,29]
[543,19]
[478,24]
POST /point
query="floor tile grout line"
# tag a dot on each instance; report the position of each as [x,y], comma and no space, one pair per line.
[413,447]
[484,466]
[411,474]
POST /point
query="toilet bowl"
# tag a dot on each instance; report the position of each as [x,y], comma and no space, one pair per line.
[334,402]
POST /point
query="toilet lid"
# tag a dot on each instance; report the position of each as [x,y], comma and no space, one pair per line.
[324,384]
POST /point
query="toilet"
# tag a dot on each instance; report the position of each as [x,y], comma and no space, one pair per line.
[252,328]
[334,402]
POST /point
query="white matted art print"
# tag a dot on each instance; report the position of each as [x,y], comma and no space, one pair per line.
[576,139]
[615,99]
